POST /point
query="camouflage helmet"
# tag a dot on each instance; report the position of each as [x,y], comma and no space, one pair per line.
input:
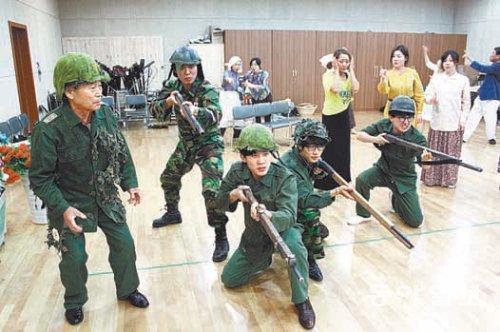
[75,68]
[310,128]
[256,137]
[185,55]
[402,104]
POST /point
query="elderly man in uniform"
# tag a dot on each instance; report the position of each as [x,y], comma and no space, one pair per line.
[78,158]
[395,168]
[205,150]
[310,139]
[275,188]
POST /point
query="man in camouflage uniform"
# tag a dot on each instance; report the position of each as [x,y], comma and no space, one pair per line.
[275,189]
[205,150]
[310,139]
[78,158]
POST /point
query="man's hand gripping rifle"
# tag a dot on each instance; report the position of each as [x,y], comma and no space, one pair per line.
[190,118]
[275,237]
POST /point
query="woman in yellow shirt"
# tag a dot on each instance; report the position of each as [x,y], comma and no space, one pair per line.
[401,80]
[339,84]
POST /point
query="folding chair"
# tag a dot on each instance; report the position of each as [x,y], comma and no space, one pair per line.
[136,108]
[110,101]
[241,113]
[15,125]
[25,123]
[5,129]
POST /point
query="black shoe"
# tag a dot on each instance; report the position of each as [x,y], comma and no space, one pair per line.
[221,244]
[137,299]
[171,217]
[74,316]
[307,317]
[492,141]
[323,231]
[314,271]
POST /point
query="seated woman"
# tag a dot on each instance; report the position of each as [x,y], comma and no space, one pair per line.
[257,82]
[230,96]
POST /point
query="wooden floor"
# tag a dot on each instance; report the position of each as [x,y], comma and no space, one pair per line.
[449,282]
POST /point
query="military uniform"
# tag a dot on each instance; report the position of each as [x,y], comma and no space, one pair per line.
[74,165]
[278,192]
[309,201]
[395,169]
[205,150]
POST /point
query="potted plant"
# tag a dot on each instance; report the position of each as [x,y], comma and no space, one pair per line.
[16,160]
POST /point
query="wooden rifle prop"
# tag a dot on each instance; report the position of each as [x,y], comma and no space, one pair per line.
[275,237]
[195,125]
[445,158]
[361,200]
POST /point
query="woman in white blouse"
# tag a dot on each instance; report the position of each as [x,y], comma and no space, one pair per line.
[449,93]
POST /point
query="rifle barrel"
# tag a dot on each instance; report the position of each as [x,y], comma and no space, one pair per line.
[275,237]
[435,153]
[363,202]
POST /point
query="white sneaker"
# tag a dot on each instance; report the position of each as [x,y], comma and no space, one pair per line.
[391,209]
[357,220]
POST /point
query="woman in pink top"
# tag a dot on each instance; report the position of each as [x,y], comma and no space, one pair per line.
[449,92]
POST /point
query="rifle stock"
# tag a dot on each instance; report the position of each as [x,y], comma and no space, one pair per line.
[435,153]
[361,200]
[195,125]
[275,237]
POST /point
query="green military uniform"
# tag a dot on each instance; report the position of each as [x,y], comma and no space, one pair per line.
[205,150]
[395,169]
[278,192]
[309,201]
[78,166]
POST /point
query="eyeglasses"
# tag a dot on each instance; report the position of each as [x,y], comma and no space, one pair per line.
[313,147]
[405,118]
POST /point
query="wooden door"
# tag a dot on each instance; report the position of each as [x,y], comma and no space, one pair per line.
[293,73]
[24,71]
[373,53]
[327,42]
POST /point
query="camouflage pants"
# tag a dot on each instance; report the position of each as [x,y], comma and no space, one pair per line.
[312,234]
[208,156]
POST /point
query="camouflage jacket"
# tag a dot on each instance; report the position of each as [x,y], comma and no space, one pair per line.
[74,166]
[308,198]
[202,95]
[277,190]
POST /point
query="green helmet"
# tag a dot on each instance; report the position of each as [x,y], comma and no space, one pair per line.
[185,55]
[76,68]
[309,128]
[256,137]
[402,104]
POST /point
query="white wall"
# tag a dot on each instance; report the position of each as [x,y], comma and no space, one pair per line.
[180,20]
[44,34]
[480,20]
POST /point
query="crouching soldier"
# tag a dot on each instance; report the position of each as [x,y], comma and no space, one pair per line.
[310,139]
[275,189]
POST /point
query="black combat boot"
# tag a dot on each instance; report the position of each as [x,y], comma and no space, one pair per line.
[221,244]
[307,317]
[314,270]
[323,231]
[171,217]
